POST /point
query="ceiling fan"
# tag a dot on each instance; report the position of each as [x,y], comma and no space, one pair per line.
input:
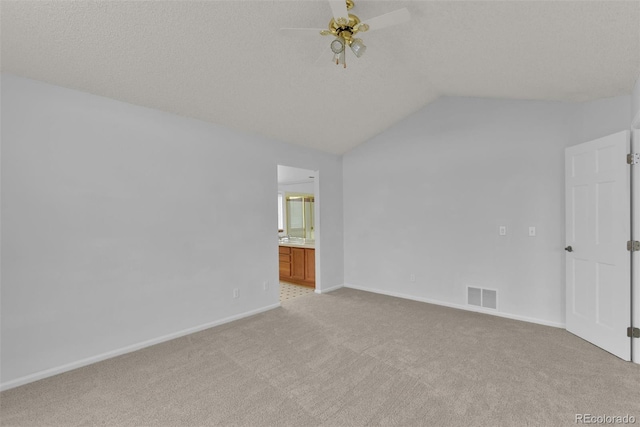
[344,26]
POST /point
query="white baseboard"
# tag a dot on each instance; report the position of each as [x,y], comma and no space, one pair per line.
[331,289]
[459,306]
[128,349]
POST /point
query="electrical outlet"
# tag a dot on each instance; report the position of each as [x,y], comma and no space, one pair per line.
[265,285]
[412,278]
[236,293]
[532,231]
[503,230]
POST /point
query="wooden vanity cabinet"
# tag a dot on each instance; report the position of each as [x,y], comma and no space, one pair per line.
[310,265]
[298,265]
[285,262]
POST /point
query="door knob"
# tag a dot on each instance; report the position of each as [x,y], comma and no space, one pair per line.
[568,249]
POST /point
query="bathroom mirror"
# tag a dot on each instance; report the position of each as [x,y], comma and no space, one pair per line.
[300,212]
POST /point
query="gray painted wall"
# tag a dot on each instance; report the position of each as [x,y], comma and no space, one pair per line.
[122,225]
[427,197]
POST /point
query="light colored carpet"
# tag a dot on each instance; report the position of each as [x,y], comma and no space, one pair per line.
[347,358]
[289,291]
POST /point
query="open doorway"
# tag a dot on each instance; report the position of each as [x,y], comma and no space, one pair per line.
[297,231]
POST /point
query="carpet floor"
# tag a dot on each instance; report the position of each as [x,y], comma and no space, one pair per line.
[346,358]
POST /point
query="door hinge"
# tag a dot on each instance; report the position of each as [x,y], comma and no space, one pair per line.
[633,158]
[633,332]
[633,245]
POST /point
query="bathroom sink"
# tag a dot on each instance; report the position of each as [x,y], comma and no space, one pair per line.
[296,240]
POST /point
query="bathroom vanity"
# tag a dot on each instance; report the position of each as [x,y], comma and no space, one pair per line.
[298,264]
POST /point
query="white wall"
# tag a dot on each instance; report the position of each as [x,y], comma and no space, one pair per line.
[122,225]
[603,117]
[427,197]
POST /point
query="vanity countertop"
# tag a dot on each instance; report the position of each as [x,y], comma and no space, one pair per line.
[308,245]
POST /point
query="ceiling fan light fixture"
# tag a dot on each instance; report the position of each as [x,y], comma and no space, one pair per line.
[344,26]
[358,47]
[337,46]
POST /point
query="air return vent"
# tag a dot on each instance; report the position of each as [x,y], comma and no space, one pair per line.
[487,298]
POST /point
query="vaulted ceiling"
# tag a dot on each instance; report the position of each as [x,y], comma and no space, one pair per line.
[226,61]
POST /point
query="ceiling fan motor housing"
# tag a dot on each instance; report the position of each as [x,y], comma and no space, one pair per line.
[344,29]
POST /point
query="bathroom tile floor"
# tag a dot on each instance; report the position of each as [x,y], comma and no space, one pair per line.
[289,291]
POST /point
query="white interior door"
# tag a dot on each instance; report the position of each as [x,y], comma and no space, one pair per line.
[598,223]
[635,229]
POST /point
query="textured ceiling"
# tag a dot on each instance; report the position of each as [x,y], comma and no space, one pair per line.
[226,62]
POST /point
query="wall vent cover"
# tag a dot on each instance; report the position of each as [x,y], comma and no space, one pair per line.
[487,298]
[474,296]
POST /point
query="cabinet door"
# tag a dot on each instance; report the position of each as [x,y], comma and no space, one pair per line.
[310,265]
[297,263]
[285,269]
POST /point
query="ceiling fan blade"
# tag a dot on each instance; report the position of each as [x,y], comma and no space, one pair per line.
[388,19]
[297,32]
[339,9]
[325,57]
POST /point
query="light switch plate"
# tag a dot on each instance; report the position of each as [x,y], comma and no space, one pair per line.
[503,230]
[532,231]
